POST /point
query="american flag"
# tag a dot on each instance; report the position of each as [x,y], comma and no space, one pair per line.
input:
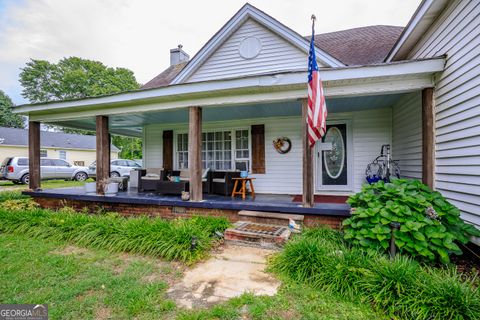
[317,108]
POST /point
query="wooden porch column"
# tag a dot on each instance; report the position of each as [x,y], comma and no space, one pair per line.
[428,137]
[103,152]
[34,155]
[307,172]
[195,153]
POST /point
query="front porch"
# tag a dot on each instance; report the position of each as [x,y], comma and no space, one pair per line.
[134,203]
[224,125]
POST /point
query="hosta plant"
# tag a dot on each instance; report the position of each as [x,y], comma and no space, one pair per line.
[430,226]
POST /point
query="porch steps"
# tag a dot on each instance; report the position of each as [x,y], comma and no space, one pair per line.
[272,218]
[257,235]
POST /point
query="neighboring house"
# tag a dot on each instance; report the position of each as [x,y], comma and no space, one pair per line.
[415,88]
[75,148]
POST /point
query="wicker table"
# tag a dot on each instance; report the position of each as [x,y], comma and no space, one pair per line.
[243,187]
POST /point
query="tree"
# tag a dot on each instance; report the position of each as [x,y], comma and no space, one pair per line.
[74,78]
[7,117]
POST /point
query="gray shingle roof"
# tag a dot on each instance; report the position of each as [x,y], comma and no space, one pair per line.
[359,46]
[19,137]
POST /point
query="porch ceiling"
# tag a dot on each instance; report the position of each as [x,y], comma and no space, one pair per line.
[131,124]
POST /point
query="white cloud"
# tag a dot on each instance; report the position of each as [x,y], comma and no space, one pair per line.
[137,34]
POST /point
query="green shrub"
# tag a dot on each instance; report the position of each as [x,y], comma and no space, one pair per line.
[430,225]
[400,289]
[12,195]
[187,240]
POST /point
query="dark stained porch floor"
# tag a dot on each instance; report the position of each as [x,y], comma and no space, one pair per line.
[262,202]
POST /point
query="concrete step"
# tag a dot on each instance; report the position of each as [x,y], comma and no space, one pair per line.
[273,218]
[257,234]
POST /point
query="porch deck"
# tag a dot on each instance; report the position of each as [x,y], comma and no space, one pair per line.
[262,202]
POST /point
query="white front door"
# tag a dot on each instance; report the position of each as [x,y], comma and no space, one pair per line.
[334,158]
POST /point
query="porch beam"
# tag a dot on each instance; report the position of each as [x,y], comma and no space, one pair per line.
[195,153]
[103,152]
[34,181]
[428,137]
[307,172]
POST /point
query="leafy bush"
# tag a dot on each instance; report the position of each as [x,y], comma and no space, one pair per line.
[19,204]
[430,225]
[187,240]
[401,288]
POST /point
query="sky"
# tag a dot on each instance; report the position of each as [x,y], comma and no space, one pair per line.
[138,34]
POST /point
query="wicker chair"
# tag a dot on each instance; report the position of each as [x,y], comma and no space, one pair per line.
[222,182]
[149,178]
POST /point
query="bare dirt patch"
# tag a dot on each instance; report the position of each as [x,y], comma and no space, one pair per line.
[86,295]
[229,273]
[103,313]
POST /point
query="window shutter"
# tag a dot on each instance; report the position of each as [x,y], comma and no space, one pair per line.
[258,148]
[168,150]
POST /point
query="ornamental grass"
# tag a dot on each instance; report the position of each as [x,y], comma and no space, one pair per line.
[186,240]
[401,288]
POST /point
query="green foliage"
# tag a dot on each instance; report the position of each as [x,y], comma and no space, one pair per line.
[19,204]
[130,148]
[430,225]
[7,117]
[171,240]
[12,195]
[73,78]
[401,288]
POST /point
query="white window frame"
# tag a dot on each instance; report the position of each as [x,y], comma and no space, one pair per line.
[223,129]
[46,153]
[60,154]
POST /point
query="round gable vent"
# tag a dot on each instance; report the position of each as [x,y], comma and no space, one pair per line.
[250,47]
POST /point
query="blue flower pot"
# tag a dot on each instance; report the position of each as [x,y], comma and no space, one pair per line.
[243,174]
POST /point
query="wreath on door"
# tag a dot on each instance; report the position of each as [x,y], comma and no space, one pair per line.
[282,145]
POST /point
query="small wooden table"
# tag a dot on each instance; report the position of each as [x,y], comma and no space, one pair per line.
[243,188]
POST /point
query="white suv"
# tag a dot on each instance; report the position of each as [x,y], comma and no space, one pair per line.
[15,169]
[118,168]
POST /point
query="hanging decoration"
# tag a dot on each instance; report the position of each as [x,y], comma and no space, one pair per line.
[282,145]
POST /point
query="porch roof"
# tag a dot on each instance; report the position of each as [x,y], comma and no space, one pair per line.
[382,78]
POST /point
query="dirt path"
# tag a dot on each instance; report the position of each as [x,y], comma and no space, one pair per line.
[225,275]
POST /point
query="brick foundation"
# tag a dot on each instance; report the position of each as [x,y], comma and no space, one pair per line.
[169,212]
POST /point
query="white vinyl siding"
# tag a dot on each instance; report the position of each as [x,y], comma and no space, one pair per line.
[407,135]
[456,33]
[371,129]
[153,147]
[276,55]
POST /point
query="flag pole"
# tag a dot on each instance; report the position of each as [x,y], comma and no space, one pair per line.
[313,23]
[308,151]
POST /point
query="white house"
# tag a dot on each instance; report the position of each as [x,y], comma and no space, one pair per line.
[414,88]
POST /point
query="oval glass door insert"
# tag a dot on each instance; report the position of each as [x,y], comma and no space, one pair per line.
[334,159]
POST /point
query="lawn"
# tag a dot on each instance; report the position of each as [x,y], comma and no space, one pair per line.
[47,184]
[107,266]
[81,283]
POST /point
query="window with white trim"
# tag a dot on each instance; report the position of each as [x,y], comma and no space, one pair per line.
[62,154]
[221,150]
[242,152]
[182,151]
[43,153]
